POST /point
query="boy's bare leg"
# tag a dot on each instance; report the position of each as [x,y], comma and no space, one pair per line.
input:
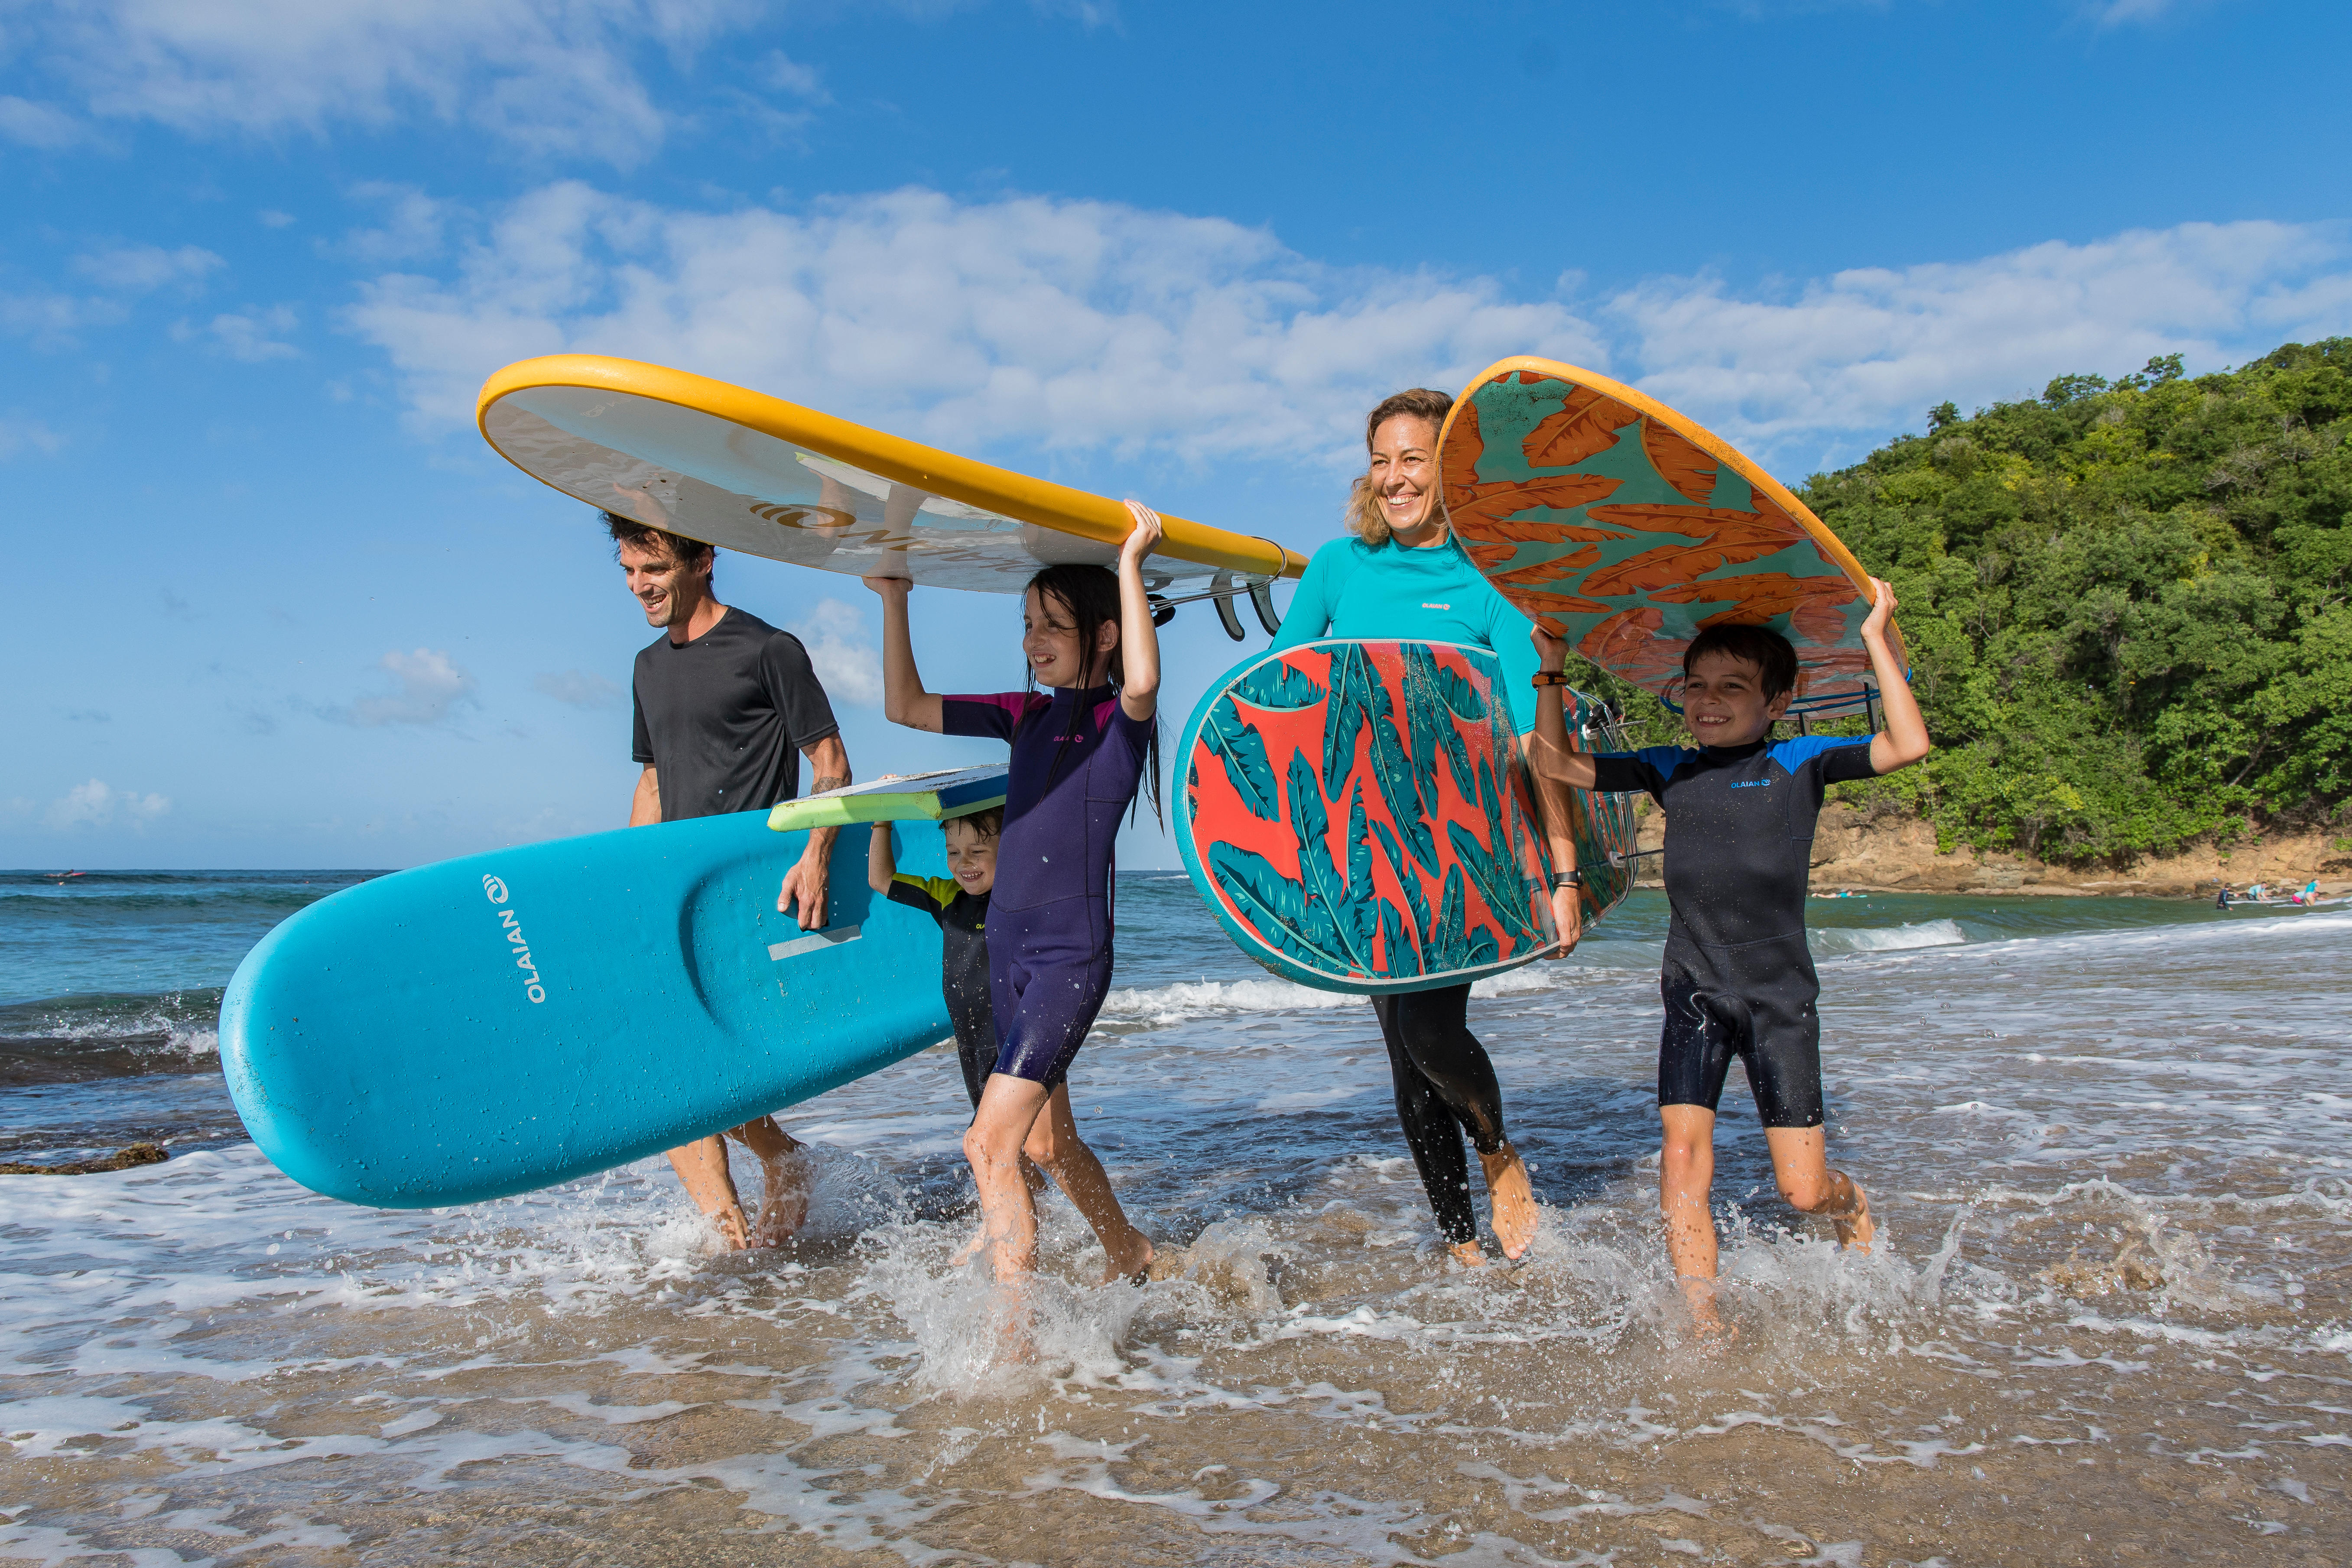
[784,1196]
[1055,1146]
[1513,1197]
[1800,1165]
[701,1168]
[1685,1180]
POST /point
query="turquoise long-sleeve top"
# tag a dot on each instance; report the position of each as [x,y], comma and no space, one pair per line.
[1391,594]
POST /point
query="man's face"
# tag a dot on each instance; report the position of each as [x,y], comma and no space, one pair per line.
[1724,702]
[668,591]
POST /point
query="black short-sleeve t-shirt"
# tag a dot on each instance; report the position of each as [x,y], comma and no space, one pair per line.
[722,718]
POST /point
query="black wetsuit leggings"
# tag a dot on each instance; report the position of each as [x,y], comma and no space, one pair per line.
[1445,1087]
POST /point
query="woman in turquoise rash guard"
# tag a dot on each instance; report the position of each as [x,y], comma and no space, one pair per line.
[1400,576]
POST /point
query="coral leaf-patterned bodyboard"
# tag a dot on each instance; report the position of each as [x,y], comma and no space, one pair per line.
[1626,528]
[1356,815]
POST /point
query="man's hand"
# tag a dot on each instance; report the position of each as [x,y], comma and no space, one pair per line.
[805,885]
[1567,914]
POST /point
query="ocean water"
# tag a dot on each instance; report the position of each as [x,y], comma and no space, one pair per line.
[2107,1140]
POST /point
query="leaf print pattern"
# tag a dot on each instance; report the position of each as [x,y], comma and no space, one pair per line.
[1456,887]
[1622,531]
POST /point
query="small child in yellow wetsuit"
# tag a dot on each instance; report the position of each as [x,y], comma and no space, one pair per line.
[958,901]
[1739,980]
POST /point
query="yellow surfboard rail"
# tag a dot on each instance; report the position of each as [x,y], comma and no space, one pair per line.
[1041,501]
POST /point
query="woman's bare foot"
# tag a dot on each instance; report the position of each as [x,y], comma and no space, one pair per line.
[1468,1254]
[1514,1200]
[1855,1228]
[1131,1262]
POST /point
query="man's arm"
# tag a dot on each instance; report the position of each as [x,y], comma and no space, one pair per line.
[1905,739]
[645,807]
[805,885]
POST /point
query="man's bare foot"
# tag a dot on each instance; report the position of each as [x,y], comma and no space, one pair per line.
[969,1249]
[1468,1254]
[734,1236]
[1855,1228]
[1132,1262]
[784,1202]
[1514,1200]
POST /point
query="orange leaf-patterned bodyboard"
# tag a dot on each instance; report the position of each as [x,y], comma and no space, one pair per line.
[1627,528]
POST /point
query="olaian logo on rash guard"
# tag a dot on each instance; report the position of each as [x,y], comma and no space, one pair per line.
[494,890]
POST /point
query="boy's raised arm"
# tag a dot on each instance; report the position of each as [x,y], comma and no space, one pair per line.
[1905,739]
[1548,752]
[880,864]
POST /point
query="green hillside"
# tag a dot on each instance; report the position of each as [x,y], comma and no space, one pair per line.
[2126,605]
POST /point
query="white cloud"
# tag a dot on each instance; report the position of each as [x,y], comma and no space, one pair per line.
[16,435]
[429,688]
[270,218]
[1091,324]
[550,76]
[252,335]
[32,124]
[99,804]
[1055,323]
[412,227]
[847,664]
[578,689]
[135,268]
[783,73]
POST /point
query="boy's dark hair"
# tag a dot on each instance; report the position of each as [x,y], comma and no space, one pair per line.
[1768,650]
[687,553]
[988,824]
[1090,595]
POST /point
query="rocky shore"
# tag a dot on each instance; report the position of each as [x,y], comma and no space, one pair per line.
[1897,853]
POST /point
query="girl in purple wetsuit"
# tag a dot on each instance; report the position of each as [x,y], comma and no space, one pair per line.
[1080,750]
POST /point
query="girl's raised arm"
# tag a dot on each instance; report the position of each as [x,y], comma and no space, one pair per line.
[904,699]
[1138,639]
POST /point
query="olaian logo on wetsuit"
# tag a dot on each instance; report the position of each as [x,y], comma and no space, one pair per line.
[494,890]
[1752,784]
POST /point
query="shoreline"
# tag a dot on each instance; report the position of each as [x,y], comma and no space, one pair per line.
[1892,854]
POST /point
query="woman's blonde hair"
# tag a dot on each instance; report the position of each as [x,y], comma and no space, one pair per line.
[1366,519]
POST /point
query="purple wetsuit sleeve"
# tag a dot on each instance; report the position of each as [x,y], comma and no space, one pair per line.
[995,714]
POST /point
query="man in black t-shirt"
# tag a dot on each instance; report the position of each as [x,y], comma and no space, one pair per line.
[726,707]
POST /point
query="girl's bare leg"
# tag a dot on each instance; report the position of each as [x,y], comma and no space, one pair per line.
[1054,1144]
[1008,1108]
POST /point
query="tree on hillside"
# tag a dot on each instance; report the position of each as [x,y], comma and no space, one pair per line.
[2127,604]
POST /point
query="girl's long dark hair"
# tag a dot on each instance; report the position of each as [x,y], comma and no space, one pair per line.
[1090,597]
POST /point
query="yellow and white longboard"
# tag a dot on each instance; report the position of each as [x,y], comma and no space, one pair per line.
[745,471]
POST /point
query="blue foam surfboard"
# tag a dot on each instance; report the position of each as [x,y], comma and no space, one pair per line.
[506,1021]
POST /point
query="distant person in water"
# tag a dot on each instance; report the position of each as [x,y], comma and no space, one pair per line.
[1739,980]
[1400,575]
[1081,750]
[727,706]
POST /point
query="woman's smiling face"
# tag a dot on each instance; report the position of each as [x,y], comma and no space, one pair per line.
[1404,478]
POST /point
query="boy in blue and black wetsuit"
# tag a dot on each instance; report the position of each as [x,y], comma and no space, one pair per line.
[1739,980]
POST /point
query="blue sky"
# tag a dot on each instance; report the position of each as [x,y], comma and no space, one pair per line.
[280,607]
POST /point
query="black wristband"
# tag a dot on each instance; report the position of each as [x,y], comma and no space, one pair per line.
[1567,880]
